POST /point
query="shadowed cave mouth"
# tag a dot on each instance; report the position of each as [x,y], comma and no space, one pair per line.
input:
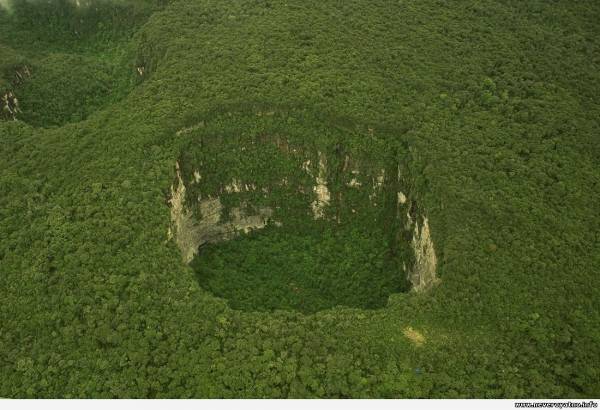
[302,220]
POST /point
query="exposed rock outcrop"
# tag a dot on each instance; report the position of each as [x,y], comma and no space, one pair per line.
[321,191]
[9,105]
[191,232]
[423,273]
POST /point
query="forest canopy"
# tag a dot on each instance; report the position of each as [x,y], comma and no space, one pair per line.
[491,105]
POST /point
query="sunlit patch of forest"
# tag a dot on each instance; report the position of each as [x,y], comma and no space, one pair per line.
[493,104]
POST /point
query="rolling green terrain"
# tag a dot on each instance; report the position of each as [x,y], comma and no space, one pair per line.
[487,110]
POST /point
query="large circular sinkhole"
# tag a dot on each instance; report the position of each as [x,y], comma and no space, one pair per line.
[283,210]
[308,271]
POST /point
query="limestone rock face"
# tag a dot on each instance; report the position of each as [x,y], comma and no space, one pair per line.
[9,105]
[321,191]
[184,229]
[423,274]
[190,233]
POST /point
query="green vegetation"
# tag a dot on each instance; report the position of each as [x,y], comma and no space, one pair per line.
[65,61]
[311,272]
[490,106]
[49,97]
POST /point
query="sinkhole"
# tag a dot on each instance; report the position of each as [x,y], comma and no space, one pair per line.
[302,220]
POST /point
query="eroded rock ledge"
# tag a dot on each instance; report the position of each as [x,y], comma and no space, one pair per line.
[191,232]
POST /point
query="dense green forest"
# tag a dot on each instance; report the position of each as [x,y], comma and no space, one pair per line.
[489,109]
[307,272]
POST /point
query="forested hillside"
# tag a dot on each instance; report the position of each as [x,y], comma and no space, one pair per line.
[345,137]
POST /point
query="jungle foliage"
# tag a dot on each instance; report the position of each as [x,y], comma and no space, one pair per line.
[495,103]
[282,269]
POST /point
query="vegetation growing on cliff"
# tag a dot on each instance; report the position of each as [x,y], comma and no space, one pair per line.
[495,103]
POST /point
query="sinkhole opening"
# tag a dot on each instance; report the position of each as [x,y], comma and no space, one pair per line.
[272,215]
[308,270]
